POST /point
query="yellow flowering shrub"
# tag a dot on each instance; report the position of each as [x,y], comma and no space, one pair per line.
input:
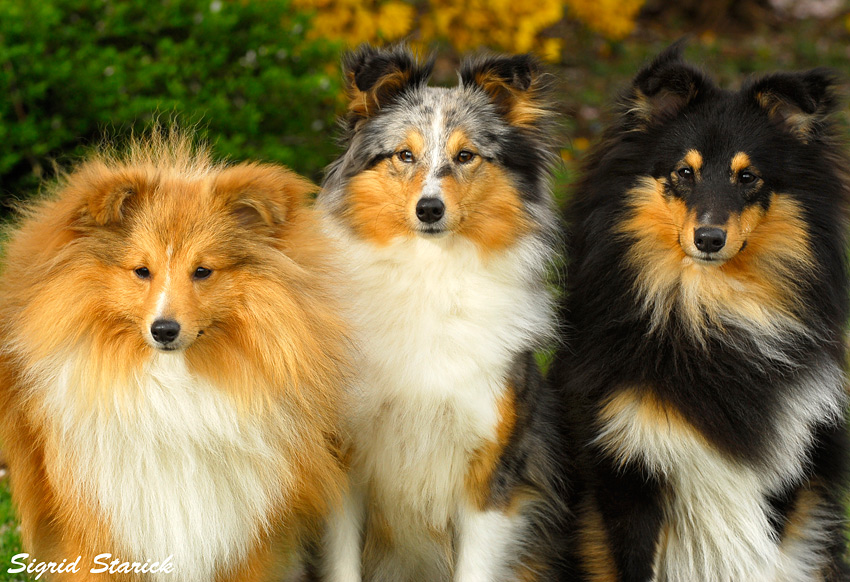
[508,25]
[356,21]
[614,19]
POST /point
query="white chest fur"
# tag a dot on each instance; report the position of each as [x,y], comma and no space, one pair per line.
[718,517]
[175,469]
[439,325]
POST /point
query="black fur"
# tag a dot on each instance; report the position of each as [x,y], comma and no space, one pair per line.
[535,460]
[365,66]
[732,393]
[517,71]
[521,152]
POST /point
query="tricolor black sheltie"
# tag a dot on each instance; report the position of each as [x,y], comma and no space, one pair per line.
[706,308]
[443,206]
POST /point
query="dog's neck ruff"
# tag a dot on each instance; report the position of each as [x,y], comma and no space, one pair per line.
[439,326]
[171,465]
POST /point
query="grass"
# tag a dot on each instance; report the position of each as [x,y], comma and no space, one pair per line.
[10,539]
[591,75]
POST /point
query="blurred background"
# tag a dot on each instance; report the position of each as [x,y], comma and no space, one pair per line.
[260,78]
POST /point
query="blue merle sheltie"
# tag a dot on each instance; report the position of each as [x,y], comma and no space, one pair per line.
[706,308]
[443,206]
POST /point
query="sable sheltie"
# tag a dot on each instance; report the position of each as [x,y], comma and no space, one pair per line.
[171,365]
[443,207]
[706,308]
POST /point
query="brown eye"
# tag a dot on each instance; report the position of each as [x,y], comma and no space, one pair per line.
[685,173]
[406,156]
[464,157]
[202,273]
[746,177]
[142,273]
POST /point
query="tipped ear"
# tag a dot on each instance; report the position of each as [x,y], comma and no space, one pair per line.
[376,77]
[514,84]
[665,87]
[105,193]
[262,196]
[800,102]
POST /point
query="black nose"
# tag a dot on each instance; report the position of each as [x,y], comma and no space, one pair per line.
[165,331]
[709,239]
[430,210]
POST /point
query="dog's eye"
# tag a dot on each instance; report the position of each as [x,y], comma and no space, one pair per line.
[202,273]
[746,177]
[406,156]
[685,173]
[142,272]
[464,157]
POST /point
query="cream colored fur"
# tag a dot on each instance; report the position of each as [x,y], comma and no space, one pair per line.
[718,515]
[170,463]
[439,325]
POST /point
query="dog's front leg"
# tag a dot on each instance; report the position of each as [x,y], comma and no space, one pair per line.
[343,543]
[488,542]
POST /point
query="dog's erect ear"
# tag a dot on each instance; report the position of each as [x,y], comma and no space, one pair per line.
[661,90]
[800,102]
[261,196]
[515,85]
[376,77]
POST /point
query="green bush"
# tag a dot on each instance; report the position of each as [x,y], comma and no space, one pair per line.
[10,539]
[243,72]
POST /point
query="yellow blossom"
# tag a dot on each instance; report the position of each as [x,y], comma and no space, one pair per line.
[613,18]
[581,143]
[505,25]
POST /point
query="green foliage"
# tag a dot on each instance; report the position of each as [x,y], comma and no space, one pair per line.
[243,72]
[10,539]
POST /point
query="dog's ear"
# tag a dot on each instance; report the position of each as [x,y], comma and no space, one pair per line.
[799,102]
[105,193]
[262,196]
[661,90]
[514,84]
[376,77]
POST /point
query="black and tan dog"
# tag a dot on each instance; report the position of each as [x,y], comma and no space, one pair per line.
[706,306]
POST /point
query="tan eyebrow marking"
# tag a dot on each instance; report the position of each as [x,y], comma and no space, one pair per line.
[740,161]
[415,142]
[457,141]
[694,159]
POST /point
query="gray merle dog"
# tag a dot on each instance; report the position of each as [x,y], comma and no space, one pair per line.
[442,205]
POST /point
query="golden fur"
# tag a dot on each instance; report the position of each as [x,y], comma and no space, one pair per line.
[482,203]
[262,331]
[777,243]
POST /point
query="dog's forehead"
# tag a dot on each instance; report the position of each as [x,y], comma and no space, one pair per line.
[436,112]
[719,138]
[739,123]
[178,204]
